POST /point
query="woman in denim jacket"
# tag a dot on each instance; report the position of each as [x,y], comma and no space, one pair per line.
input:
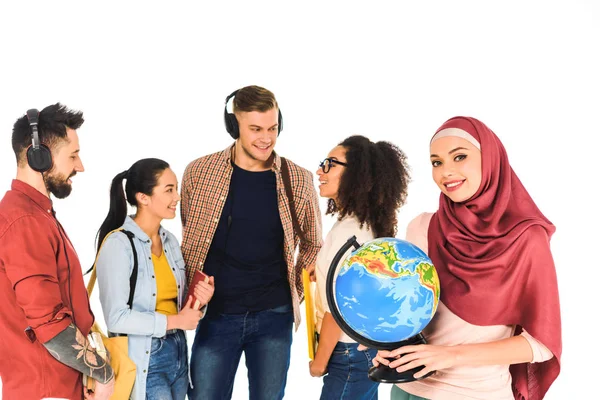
[159,314]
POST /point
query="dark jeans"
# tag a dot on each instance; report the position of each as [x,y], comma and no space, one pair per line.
[265,337]
[168,368]
[347,374]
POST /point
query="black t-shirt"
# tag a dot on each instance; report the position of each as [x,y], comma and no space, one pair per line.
[246,255]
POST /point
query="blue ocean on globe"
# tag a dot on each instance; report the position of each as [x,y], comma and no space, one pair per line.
[387,290]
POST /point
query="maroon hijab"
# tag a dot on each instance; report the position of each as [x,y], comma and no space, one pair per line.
[492,254]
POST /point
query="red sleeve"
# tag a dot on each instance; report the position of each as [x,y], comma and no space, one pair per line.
[32,270]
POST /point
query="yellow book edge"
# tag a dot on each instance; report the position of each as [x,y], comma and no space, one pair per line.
[310,315]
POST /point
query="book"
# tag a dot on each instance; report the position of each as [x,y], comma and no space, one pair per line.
[310,315]
[199,276]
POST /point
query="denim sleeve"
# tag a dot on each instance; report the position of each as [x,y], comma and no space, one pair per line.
[113,269]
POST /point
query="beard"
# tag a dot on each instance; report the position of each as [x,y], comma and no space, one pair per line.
[58,184]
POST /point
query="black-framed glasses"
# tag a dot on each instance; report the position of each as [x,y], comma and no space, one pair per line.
[326,164]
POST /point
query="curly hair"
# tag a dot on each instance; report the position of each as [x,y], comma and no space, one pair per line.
[373,185]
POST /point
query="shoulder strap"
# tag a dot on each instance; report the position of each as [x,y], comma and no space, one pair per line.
[285,176]
[134,273]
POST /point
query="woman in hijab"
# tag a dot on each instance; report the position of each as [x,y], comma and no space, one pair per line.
[497,331]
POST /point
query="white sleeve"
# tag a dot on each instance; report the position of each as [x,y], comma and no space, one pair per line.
[334,241]
[540,352]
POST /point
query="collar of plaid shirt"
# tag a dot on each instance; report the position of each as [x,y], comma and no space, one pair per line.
[205,186]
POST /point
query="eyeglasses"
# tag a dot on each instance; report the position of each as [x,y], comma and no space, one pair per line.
[326,164]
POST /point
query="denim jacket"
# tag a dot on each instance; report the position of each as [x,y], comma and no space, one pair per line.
[141,323]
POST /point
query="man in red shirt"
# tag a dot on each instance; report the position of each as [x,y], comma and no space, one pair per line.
[45,315]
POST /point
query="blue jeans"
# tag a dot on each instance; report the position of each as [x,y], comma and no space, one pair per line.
[265,337]
[168,368]
[347,374]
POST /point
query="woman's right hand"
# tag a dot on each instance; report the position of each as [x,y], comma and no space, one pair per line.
[186,319]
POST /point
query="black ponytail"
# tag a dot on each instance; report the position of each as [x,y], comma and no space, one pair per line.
[141,177]
[117,211]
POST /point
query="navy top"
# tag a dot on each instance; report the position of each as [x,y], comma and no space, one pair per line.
[246,254]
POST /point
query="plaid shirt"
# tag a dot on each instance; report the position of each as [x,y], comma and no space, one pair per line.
[204,189]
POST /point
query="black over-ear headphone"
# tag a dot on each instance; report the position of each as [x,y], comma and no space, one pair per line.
[231,123]
[39,157]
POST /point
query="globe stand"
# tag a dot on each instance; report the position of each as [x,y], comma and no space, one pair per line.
[381,373]
[384,374]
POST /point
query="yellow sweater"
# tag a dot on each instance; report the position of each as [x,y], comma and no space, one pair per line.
[166,286]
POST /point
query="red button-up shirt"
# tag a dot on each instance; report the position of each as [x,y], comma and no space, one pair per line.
[41,288]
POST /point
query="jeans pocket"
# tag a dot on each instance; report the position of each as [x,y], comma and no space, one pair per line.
[370,355]
[340,352]
[157,345]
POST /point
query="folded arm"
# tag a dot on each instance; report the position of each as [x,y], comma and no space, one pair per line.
[71,348]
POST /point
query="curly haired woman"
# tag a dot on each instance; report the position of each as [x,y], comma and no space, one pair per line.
[366,184]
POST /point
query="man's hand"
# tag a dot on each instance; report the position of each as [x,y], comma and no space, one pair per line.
[204,291]
[101,391]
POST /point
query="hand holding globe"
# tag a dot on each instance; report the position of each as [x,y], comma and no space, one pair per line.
[383,295]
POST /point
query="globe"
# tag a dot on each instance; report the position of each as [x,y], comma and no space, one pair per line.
[383,295]
[387,291]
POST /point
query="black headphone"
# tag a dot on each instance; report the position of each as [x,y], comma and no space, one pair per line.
[231,123]
[39,157]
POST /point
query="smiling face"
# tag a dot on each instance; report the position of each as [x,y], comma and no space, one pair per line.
[163,201]
[258,135]
[65,164]
[456,167]
[329,183]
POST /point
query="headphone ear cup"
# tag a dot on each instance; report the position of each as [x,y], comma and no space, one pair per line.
[231,125]
[39,159]
[226,120]
[279,123]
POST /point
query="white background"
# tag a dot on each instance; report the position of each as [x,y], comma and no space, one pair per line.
[151,79]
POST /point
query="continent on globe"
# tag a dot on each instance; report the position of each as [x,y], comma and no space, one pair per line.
[387,290]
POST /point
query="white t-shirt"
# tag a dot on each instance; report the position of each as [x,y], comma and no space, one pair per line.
[336,238]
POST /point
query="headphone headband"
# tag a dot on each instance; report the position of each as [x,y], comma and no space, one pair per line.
[33,118]
[39,157]
[231,123]
[229,97]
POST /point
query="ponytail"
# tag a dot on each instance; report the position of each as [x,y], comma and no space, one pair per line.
[141,177]
[117,211]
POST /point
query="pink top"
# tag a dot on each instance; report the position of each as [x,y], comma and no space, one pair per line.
[490,382]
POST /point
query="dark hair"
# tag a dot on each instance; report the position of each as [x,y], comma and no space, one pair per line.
[142,177]
[52,127]
[254,98]
[373,185]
